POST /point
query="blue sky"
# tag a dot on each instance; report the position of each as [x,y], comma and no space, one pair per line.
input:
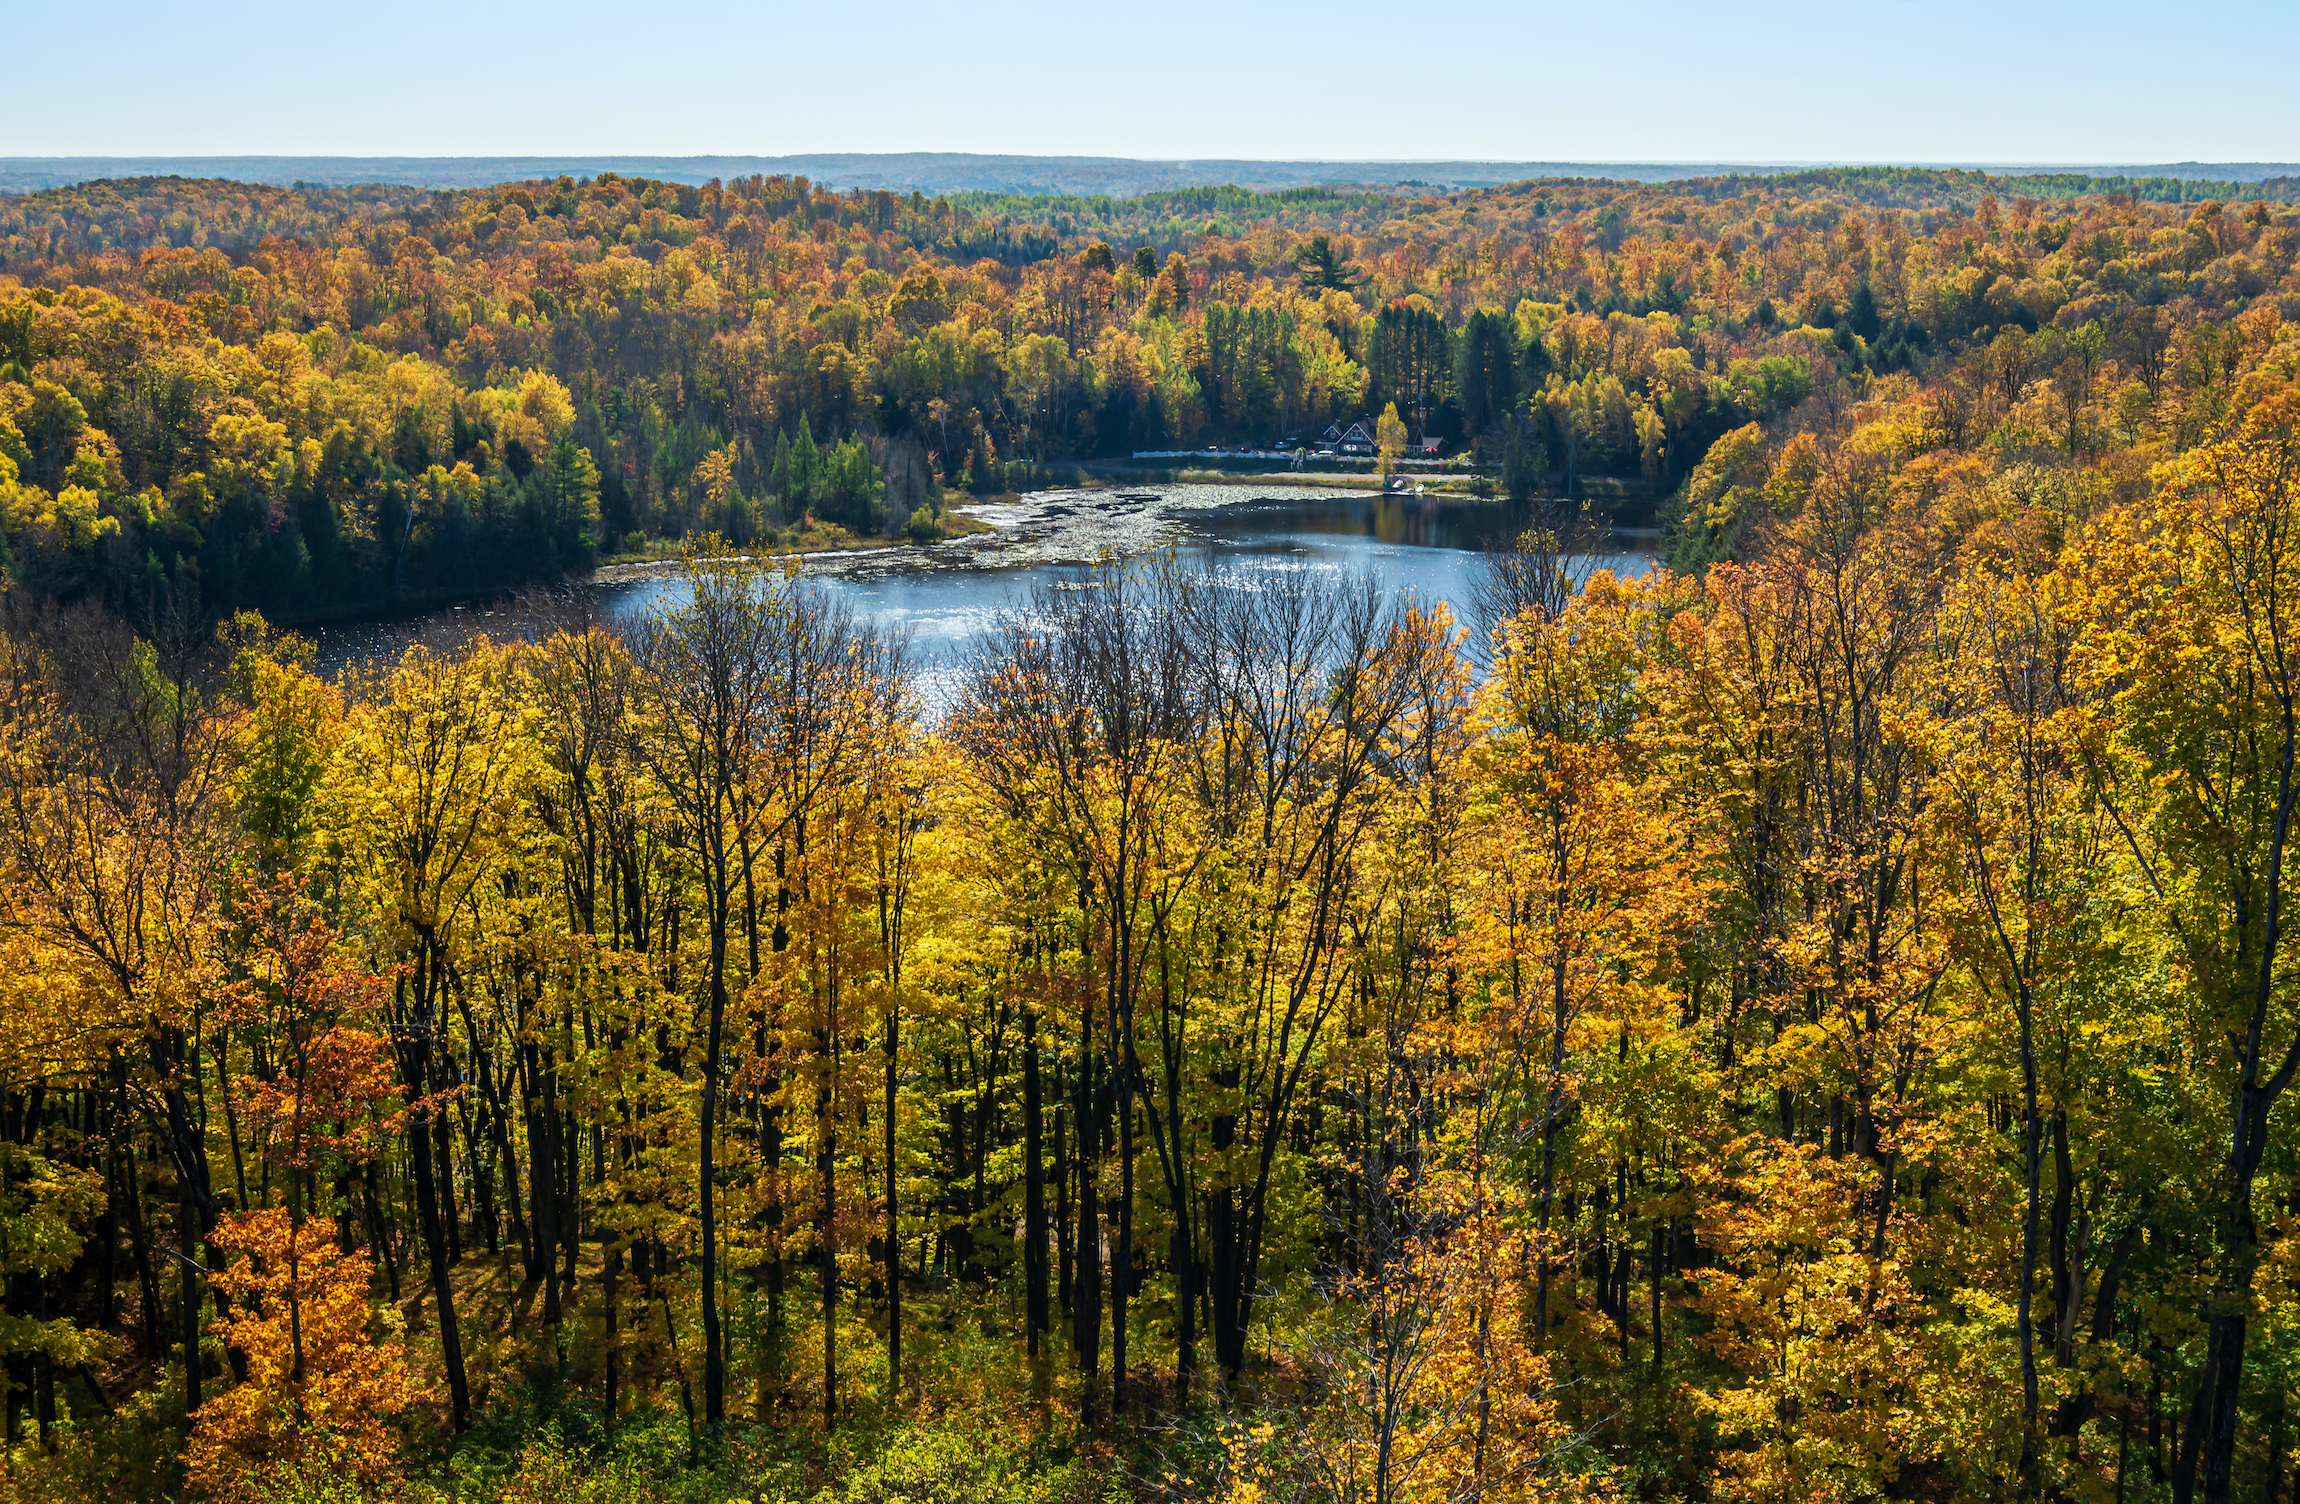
[1632,80]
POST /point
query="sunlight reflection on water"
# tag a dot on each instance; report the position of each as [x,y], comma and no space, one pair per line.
[947,595]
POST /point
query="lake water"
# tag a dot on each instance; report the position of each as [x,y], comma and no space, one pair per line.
[947,594]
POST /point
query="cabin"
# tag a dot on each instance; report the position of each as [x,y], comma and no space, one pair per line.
[1356,440]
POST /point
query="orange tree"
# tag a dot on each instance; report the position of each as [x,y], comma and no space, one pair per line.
[328,1398]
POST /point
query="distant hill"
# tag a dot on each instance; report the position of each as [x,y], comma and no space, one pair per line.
[960,172]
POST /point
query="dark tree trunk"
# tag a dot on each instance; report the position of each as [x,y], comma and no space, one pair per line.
[714,1348]
[417,1003]
[571,1196]
[1221,1241]
[188,1236]
[893,1218]
[1039,1318]
[450,1221]
[1086,1302]
[538,1107]
[1063,1283]
[427,1212]
[140,1249]
[379,1230]
[826,1172]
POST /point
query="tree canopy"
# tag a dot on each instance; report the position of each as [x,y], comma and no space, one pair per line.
[1814,1021]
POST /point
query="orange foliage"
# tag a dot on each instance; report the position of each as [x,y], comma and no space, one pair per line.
[340,1414]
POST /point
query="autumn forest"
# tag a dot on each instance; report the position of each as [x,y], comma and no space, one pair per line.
[1808,1022]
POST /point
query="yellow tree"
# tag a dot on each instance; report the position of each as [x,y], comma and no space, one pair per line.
[1829,1345]
[424,803]
[1325,715]
[2040,921]
[825,986]
[1794,699]
[1389,443]
[593,921]
[114,768]
[283,740]
[839,721]
[1075,718]
[1580,866]
[2192,642]
[908,791]
[707,669]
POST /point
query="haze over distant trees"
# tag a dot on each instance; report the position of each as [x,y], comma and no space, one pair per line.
[957,172]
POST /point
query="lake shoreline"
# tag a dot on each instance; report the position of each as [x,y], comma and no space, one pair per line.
[608,570]
[973,530]
[946,593]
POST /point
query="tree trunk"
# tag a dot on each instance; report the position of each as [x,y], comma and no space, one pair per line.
[1063,1244]
[1229,1316]
[2032,1149]
[826,1232]
[188,1236]
[542,1177]
[1039,1318]
[435,1248]
[1086,1302]
[379,1230]
[714,1350]
[1122,1257]
[893,1207]
[450,1222]
[571,1196]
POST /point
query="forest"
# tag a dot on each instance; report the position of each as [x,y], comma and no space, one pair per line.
[312,401]
[1812,1022]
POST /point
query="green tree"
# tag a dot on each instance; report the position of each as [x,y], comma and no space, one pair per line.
[797,474]
[1322,267]
[1485,371]
[573,495]
[851,487]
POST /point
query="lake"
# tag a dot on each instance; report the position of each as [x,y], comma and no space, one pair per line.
[947,594]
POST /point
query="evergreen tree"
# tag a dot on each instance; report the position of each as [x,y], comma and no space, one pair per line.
[851,487]
[1322,267]
[1861,311]
[798,474]
[1485,370]
[574,499]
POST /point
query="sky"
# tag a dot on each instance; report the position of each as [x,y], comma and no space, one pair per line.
[1627,81]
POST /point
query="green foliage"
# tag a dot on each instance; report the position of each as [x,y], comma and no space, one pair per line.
[1485,369]
[1768,385]
[850,487]
[797,476]
[925,1463]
